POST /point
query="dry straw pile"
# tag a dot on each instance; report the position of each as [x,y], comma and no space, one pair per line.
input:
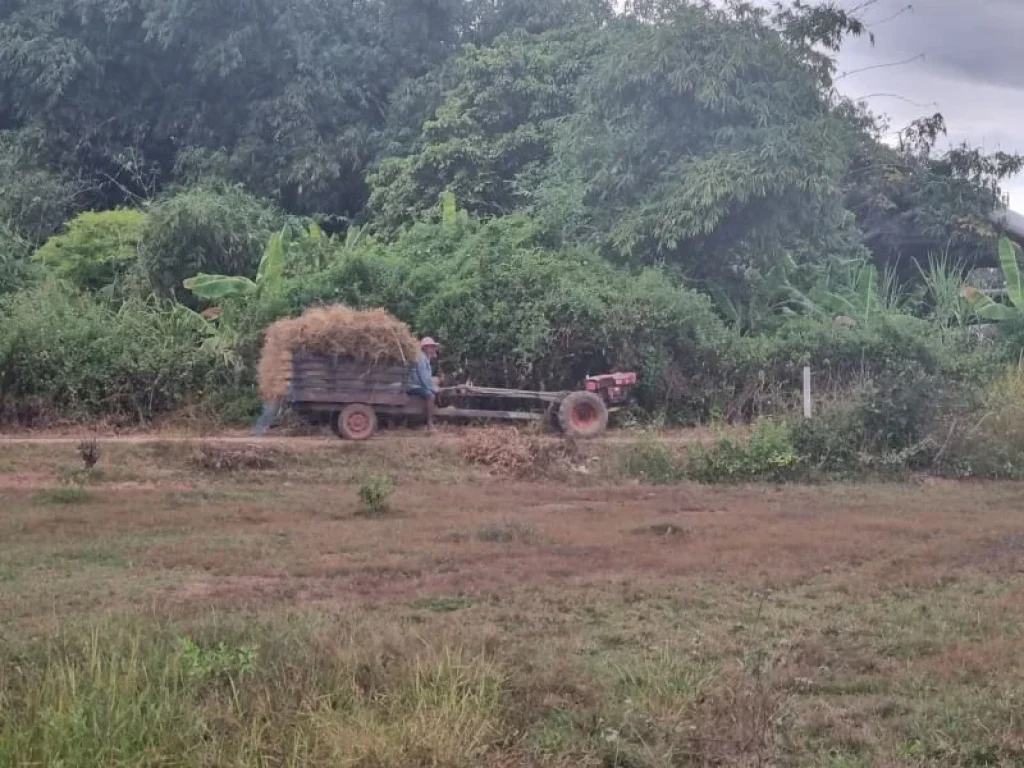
[508,451]
[371,335]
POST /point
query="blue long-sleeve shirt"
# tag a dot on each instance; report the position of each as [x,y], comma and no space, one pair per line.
[421,377]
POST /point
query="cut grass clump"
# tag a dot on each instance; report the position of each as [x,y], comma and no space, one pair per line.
[506,532]
[217,459]
[509,452]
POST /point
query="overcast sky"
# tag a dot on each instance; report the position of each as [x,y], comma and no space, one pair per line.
[971,69]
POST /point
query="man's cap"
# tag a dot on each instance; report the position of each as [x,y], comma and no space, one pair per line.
[428,342]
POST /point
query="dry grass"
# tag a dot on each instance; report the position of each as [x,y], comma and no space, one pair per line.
[210,457]
[510,452]
[991,443]
[500,622]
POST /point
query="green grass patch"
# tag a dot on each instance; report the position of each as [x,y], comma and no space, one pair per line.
[91,556]
[443,603]
[64,495]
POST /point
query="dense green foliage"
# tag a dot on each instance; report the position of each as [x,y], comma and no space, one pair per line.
[707,137]
[552,188]
[65,356]
[492,131]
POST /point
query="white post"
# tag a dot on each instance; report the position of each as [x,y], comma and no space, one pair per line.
[807,391]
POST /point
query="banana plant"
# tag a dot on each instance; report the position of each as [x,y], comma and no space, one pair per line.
[988,308]
[852,288]
[217,288]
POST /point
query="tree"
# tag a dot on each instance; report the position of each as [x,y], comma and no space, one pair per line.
[288,98]
[269,275]
[703,139]
[34,200]
[913,203]
[493,130]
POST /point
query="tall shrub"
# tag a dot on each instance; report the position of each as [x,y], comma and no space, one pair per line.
[68,356]
[204,229]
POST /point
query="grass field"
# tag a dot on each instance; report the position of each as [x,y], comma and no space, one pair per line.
[232,606]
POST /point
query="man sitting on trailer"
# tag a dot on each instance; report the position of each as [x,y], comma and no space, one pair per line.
[421,379]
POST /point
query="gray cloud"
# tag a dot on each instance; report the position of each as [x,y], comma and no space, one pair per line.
[970,69]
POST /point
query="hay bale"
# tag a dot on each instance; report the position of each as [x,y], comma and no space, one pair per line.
[372,336]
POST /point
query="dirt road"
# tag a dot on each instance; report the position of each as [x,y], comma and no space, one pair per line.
[320,440]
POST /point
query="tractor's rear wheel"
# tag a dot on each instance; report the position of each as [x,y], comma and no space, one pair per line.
[583,414]
[357,422]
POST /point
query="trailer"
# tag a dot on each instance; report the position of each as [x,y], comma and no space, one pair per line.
[355,395]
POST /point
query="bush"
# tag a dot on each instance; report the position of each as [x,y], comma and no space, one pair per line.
[96,249]
[513,312]
[833,442]
[895,420]
[768,455]
[651,462]
[375,494]
[988,441]
[65,356]
[765,373]
[204,229]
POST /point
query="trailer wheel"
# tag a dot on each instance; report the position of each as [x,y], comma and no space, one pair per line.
[357,422]
[333,420]
[583,414]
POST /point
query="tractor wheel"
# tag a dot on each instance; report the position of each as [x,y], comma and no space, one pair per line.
[357,422]
[583,414]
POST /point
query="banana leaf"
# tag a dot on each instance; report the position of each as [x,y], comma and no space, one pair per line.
[218,287]
[1011,272]
[987,308]
[271,268]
